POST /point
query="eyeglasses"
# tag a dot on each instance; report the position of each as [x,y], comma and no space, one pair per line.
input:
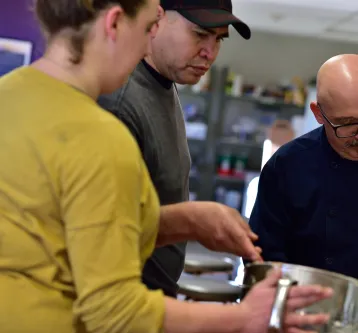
[341,131]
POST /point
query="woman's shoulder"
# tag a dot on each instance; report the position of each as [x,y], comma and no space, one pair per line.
[113,127]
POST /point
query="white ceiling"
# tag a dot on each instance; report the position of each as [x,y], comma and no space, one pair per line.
[329,19]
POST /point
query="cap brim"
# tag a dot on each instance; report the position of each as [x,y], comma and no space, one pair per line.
[214,18]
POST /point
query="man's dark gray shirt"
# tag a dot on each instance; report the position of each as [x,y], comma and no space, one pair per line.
[149,106]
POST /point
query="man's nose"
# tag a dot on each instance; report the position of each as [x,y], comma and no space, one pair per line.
[210,51]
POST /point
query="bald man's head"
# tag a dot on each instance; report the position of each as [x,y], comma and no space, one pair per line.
[337,82]
[337,103]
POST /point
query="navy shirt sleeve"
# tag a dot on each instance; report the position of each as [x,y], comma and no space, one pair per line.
[269,218]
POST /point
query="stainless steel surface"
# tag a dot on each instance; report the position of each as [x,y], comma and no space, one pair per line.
[343,306]
[208,290]
[201,263]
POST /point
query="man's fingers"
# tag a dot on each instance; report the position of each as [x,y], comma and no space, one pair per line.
[258,259]
[248,230]
[298,330]
[301,302]
[247,249]
[253,236]
[298,320]
[311,290]
[243,225]
[242,222]
[244,246]
[237,216]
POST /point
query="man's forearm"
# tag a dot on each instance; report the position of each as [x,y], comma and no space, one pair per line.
[176,224]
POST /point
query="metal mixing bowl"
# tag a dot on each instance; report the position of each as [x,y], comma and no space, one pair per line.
[342,307]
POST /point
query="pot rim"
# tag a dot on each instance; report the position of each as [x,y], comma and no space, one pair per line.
[282,266]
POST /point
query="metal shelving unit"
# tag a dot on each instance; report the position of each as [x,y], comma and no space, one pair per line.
[221,112]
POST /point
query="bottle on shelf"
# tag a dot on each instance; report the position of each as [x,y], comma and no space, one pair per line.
[224,168]
[239,163]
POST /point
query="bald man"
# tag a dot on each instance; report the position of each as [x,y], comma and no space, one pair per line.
[306,211]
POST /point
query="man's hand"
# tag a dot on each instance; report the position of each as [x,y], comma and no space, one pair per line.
[222,229]
[259,301]
[217,227]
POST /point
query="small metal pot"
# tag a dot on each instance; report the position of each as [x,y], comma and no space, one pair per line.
[342,307]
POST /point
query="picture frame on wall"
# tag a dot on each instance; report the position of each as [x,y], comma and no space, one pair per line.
[13,54]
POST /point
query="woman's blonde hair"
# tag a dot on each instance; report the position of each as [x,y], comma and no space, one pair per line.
[74,16]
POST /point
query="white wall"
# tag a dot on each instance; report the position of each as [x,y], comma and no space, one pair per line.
[269,58]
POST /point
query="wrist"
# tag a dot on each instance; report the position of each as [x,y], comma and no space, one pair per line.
[233,318]
[189,219]
[217,318]
[243,317]
[177,224]
[198,317]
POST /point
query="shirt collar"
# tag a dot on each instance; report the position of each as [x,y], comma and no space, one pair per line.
[163,81]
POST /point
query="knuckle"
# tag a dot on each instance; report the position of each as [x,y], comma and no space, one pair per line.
[220,237]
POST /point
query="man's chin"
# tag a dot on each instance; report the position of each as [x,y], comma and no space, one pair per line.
[351,153]
[189,80]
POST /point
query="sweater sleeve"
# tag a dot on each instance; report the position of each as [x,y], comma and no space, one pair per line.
[101,204]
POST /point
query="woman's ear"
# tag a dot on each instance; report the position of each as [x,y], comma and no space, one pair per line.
[112,18]
[317,112]
[160,17]
[161,12]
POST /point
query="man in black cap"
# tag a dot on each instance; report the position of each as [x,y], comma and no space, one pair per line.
[186,43]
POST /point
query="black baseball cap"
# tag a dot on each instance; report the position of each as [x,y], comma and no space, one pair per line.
[208,14]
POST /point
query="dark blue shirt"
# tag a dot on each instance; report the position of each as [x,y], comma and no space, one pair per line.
[306,211]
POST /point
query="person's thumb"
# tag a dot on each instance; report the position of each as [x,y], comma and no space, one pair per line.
[250,251]
[272,278]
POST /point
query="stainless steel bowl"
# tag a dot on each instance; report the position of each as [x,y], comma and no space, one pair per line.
[342,307]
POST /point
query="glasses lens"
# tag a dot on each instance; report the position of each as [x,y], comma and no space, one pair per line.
[347,131]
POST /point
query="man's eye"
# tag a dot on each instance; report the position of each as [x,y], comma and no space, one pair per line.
[201,34]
